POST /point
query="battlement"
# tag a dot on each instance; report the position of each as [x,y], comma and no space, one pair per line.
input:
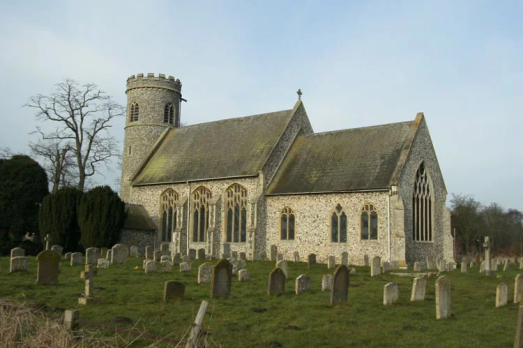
[151,81]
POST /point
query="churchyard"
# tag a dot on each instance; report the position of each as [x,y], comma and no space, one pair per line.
[126,296]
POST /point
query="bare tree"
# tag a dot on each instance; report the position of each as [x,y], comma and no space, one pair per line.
[5,153]
[465,218]
[83,115]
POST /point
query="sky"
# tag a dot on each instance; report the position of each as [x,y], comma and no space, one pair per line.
[358,63]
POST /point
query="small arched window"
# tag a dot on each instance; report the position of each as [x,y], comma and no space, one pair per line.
[168,114]
[287,224]
[422,207]
[168,214]
[339,225]
[369,222]
[200,221]
[135,110]
[236,223]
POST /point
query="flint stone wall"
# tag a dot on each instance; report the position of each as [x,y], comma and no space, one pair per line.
[139,238]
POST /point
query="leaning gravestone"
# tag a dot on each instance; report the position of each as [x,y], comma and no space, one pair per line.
[345,258]
[134,252]
[274,253]
[205,273]
[375,267]
[173,290]
[151,266]
[331,262]
[120,253]
[296,256]
[58,250]
[48,267]
[419,287]
[501,295]
[284,267]
[149,252]
[91,256]
[243,275]
[443,304]
[303,284]
[390,294]
[221,280]
[103,263]
[340,285]
[276,285]
[18,264]
[311,260]
[518,288]
[326,282]
[192,254]
[201,254]
[76,259]
[15,252]
[417,267]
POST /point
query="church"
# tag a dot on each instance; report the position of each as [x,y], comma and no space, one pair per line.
[250,183]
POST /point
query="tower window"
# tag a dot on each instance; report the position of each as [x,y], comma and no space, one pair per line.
[130,150]
[133,116]
[422,207]
[168,114]
[236,225]
[369,222]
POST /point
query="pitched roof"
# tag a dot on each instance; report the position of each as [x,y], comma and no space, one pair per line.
[348,160]
[138,218]
[228,148]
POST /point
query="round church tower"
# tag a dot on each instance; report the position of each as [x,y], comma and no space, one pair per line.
[153,106]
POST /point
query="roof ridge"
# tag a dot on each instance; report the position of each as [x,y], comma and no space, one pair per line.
[357,128]
[234,118]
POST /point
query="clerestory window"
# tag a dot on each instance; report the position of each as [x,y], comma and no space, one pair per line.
[422,206]
[338,225]
[236,222]
[369,222]
[287,224]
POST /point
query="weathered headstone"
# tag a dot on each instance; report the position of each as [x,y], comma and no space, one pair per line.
[296,256]
[331,262]
[430,264]
[340,285]
[91,256]
[501,295]
[276,285]
[164,249]
[442,266]
[284,267]
[463,267]
[134,251]
[201,254]
[110,255]
[166,266]
[234,255]
[221,280]
[375,266]
[419,287]
[242,264]
[165,258]
[88,296]
[18,264]
[243,256]
[103,263]
[149,252]
[119,255]
[186,259]
[67,257]
[72,319]
[234,264]
[157,256]
[482,266]
[151,266]
[507,264]
[386,267]
[311,260]
[486,246]
[76,259]
[494,265]
[518,288]
[366,260]
[103,253]
[345,258]
[303,284]
[472,264]
[443,302]
[15,252]
[58,250]
[47,269]
[226,250]
[243,275]
[185,267]
[192,254]
[390,294]
[205,273]
[262,256]
[173,289]
[326,282]
[177,259]
[274,253]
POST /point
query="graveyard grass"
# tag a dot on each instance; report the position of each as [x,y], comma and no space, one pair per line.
[251,319]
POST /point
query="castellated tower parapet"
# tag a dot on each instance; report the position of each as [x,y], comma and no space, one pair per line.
[153,106]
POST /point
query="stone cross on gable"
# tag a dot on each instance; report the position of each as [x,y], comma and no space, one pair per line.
[299,94]
[46,242]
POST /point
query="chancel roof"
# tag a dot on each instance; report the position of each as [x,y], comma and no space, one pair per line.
[229,148]
[138,218]
[343,161]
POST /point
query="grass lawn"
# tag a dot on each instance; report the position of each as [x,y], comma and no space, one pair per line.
[251,319]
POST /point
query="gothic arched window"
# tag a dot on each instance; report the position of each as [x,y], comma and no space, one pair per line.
[369,222]
[200,221]
[135,110]
[168,114]
[339,225]
[168,214]
[422,206]
[287,224]
[236,222]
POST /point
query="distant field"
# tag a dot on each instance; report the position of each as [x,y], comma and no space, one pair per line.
[251,319]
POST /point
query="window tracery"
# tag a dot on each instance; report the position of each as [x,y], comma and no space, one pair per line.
[339,225]
[287,224]
[200,223]
[236,222]
[422,206]
[369,222]
[168,214]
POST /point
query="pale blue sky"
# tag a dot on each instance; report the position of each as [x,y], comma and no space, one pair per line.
[358,63]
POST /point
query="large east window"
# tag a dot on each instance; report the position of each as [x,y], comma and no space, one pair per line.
[422,206]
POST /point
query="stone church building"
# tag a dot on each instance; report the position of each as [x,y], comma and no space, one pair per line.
[268,179]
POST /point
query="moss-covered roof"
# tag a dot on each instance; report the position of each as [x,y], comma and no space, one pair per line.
[138,218]
[227,148]
[347,160]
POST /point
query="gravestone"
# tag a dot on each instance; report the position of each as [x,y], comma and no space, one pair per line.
[103,253]
[165,258]
[177,259]
[443,303]
[88,297]
[164,249]
[311,260]
[15,252]
[390,294]
[296,256]
[340,285]
[518,288]
[234,255]
[386,267]
[243,256]
[205,273]
[185,267]
[419,287]
[151,266]
[192,254]
[276,285]
[103,263]
[186,259]
[243,275]
[472,264]
[76,259]
[149,252]
[226,250]
[417,267]
[166,266]
[303,284]
[482,267]
[463,267]
[157,256]
[119,255]
[366,260]
[88,268]
[134,252]
[331,262]
[67,257]
[58,250]
[234,264]
[345,258]
[173,289]
[274,252]
[91,256]
[48,267]
[494,265]
[326,282]
[486,246]
[375,266]
[501,295]
[18,264]
[263,256]
[201,254]
[72,319]
[430,264]
[110,255]
[442,266]
[242,264]
[507,264]
[221,280]
[283,265]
